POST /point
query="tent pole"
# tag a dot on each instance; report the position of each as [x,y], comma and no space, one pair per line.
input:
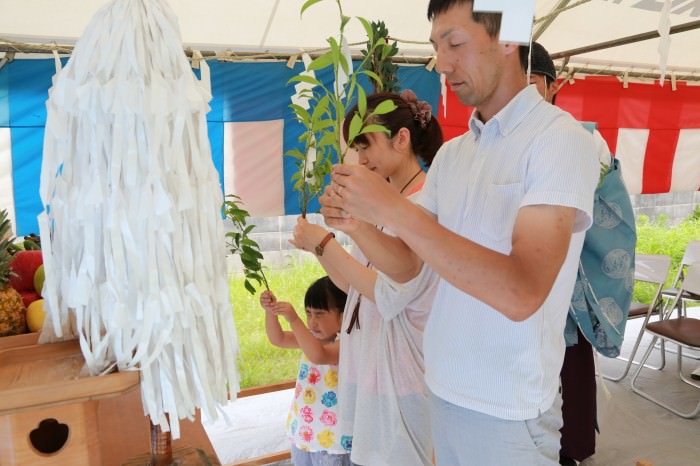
[225,55]
[9,56]
[624,40]
[550,18]
[269,22]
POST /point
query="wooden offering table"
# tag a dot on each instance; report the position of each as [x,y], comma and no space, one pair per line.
[51,414]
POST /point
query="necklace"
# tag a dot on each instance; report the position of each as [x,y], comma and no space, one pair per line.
[355,318]
[411,180]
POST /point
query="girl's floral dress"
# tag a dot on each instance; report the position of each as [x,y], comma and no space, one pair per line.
[312,424]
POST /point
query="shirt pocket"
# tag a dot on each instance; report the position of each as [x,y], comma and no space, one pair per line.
[500,210]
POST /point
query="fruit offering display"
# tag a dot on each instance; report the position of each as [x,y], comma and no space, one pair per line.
[21,281]
[36,313]
[13,318]
[24,266]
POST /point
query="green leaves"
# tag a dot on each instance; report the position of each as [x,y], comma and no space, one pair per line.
[323,123]
[374,129]
[384,107]
[379,54]
[306,5]
[321,62]
[361,101]
[304,79]
[240,243]
[355,127]
[344,20]
[361,121]
[369,29]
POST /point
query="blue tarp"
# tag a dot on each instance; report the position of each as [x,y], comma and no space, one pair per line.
[241,92]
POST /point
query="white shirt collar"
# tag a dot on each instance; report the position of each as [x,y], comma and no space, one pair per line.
[510,116]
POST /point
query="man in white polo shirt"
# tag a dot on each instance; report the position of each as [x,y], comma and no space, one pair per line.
[504,211]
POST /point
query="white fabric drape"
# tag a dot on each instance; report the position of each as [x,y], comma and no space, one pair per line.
[134,245]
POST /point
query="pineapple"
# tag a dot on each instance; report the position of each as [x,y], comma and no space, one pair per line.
[13,314]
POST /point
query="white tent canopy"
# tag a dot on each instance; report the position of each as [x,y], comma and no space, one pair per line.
[276,26]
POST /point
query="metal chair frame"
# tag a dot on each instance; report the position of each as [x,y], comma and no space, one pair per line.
[690,256]
[648,268]
[686,328]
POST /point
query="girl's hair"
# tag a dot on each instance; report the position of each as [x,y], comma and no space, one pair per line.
[410,113]
[324,295]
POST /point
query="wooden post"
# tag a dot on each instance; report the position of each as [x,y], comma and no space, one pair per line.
[161,446]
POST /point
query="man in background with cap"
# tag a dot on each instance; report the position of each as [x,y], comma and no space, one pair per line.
[542,73]
[578,385]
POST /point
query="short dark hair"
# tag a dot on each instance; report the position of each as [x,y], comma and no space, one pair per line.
[324,295]
[425,141]
[541,63]
[491,21]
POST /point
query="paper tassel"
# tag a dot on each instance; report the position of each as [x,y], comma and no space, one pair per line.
[301,98]
[134,245]
[301,88]
[443,94]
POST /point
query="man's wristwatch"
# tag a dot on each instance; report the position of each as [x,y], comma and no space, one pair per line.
[322,244]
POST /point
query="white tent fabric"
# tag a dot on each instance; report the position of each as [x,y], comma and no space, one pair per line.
[275,25]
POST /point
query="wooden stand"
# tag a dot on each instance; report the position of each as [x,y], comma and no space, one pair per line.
[51,415]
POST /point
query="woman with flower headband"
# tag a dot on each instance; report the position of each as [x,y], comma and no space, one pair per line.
[385,400]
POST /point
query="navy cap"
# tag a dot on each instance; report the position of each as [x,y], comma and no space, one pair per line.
[540,63]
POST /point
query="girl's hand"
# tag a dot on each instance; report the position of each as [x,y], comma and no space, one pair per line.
[267,300]
[307,235]
[286,310]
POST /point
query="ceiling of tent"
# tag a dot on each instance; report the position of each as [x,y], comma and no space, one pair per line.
[276,26]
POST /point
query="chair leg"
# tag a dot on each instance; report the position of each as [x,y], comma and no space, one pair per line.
[631,361]
[680,370]
[672,351]
[681,307]
[643,394]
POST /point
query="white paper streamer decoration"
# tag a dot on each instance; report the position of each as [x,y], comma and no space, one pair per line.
[302,99]
[134,245]
[443,94]
[300,88]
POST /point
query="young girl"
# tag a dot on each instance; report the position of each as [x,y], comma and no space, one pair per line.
[385,399]
[312,425]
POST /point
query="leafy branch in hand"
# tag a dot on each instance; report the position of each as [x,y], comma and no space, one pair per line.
[323,109]
[239,242]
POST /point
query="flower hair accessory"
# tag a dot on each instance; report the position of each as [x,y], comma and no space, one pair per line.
[420,108]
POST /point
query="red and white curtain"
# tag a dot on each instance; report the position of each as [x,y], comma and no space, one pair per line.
[654,131]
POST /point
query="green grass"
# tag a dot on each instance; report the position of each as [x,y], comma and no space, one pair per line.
[656,237]
[262,364]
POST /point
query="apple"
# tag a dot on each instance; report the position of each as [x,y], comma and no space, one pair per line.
[39,279]
[28,297]
[36,315]
[24,265]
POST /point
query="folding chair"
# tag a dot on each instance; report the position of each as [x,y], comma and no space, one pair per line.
[690,256]
[683,331]
[648,268]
